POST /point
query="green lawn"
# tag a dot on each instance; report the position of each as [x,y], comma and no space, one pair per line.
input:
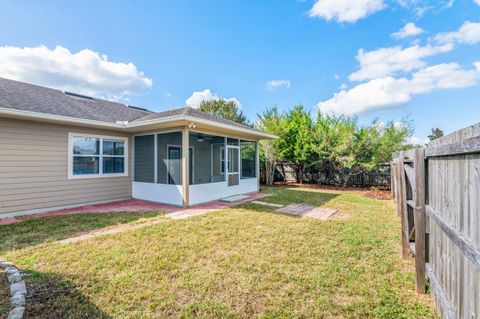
[240,262]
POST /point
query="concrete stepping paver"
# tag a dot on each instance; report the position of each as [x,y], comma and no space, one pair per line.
[267,204]
[304,210]
[235,198]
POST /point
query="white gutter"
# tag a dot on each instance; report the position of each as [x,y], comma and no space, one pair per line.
[124,125]
[57,118]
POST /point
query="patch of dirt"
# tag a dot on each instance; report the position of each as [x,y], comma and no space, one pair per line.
[4,295]
[381,194]
[52,296]
[319,186]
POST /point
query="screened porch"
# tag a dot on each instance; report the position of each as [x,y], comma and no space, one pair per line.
[216,167]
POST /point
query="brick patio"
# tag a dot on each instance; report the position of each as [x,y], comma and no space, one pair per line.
[135,205]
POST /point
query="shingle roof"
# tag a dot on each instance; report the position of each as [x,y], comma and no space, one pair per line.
[28,97]
[190,111]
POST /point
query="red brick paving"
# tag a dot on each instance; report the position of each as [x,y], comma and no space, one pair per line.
[8,220]
[136,205]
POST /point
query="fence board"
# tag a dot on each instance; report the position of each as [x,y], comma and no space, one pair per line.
[403,210]
[446,218]
[419,212]
[460,241]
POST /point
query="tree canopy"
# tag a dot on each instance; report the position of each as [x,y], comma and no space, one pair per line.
[336,143]
[223,108]
[436,133]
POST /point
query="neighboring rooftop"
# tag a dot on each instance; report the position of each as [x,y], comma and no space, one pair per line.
[33,98]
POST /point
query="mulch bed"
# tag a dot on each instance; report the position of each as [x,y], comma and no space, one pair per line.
[4,295]
[381,194]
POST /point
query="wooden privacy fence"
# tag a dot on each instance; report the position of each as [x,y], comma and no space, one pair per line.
[287,172]
[437,192]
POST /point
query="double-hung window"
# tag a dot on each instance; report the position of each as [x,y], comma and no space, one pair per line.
[97,156]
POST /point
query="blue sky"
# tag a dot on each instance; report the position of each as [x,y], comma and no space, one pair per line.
[310,49]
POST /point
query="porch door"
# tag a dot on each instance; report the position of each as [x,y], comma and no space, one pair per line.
[175,165]
[233,165]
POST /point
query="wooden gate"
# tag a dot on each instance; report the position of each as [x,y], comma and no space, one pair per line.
[437,190]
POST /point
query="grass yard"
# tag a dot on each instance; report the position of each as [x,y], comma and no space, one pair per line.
[240,262]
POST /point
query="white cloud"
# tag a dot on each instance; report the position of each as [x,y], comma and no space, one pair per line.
[408,30]
[206,95]
[278,84]
[382,125]
[477,2]
[468,33]
[86,71]
[387,61]
[418,7]
[345,10]
[414,140]
[388,91]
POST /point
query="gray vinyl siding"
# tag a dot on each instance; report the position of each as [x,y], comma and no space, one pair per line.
[144,158]
[218,149]
[164,140]
[202,152]
[34,168]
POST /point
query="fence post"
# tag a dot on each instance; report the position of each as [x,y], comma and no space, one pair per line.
[392,179]
[419,217]
[402,202]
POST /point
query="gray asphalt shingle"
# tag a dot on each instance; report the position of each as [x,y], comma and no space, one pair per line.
[29,97]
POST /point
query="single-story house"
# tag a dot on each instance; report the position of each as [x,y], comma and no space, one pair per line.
[60,149]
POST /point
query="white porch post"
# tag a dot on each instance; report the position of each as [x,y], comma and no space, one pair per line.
[257,164]
[185,166]
[225,169]
[155,159]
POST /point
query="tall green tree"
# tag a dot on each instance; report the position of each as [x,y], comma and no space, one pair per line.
[223,108]
[391,137]
[333,142]
[296,142]
[270,121]
[436,133]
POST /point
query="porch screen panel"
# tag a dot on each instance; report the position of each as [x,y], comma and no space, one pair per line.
[144,158]
[248,155]
[207,158]
[169,156]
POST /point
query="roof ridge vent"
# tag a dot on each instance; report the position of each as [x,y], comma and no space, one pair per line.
[138,108]
[78,95]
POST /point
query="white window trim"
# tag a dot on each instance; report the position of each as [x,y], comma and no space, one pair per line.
[100,174]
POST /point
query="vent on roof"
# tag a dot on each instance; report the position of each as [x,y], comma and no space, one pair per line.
[138,108]
[78,95]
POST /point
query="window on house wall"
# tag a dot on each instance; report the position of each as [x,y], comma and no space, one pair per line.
[92,156]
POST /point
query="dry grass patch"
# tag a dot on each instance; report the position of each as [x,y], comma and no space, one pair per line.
[242,262]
